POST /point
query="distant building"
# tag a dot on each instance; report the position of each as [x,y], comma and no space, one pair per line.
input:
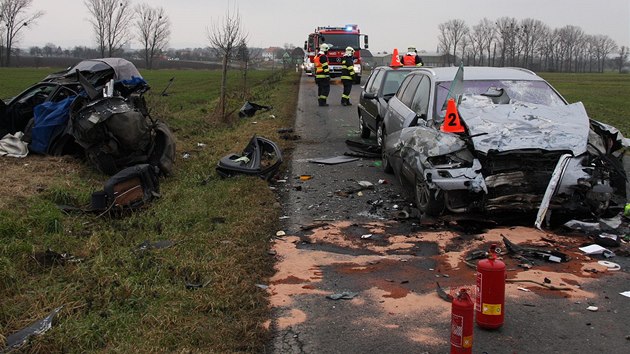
[272,53]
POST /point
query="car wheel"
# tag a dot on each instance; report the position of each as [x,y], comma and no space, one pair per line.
[427,200]
[380,141]
[365,131]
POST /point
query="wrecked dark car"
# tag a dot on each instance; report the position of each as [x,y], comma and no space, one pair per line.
[522,147]
[96,109]
[380,87]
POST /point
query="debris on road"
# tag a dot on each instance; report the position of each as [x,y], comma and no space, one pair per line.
[593,308]
[597,250]
[625,293]
[364,149]
[346,295]
[547,255]
[334,160]
[548,286]
[610,265]
[313,226]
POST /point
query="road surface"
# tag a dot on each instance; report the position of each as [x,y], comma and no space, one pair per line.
[370,246]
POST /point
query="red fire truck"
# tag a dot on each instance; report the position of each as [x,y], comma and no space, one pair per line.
[338,38]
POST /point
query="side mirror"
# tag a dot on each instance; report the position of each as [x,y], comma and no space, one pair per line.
[369,96]
[365,41]
[305,45]
[417,118]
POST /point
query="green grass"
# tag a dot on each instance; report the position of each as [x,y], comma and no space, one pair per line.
[118,299]
[605,96]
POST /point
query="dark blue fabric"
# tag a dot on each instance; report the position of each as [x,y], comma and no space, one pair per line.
[50,117]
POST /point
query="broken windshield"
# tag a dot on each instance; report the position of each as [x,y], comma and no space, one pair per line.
[538,92]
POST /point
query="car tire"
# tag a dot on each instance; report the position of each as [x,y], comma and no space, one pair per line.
[427,201]
[365,131]
[380,141]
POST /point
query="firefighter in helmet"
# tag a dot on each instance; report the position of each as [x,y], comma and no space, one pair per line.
[347,75]
[411,58]
[322,74]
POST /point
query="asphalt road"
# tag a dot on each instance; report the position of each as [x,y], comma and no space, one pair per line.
[341,238]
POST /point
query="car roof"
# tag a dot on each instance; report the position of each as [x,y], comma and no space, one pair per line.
[482,73]
[403,68]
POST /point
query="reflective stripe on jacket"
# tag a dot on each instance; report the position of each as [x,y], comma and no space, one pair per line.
[321,66]
[347,68]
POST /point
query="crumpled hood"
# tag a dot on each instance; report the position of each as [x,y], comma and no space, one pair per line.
[521,125]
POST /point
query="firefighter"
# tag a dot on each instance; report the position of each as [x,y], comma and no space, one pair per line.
[322,75]
[411,58]
[347,75]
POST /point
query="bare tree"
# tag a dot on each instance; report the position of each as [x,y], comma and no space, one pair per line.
[530,35]
[225,36]
[452,33]
[506,30]
[154,30]
[604,45]
[480,38]
[110,21]
[622,58]
[14,17]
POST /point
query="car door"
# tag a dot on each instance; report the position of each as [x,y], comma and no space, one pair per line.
[368,103]
[420,107]
[399,111]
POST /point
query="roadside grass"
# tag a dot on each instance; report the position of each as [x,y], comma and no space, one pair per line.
[197,295]
[605,96]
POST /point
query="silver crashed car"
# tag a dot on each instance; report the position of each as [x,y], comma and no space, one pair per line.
[523,147]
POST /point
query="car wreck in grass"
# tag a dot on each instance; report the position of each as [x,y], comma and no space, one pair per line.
[95,108]
[522,147]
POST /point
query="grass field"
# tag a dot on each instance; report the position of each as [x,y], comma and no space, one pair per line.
[124,300]
[605,96]
[120,299]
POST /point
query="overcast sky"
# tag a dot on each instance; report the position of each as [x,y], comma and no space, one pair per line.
[389,24]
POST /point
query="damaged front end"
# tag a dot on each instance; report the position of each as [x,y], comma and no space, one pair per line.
[522,157]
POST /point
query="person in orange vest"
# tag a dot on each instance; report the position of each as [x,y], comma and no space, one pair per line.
[347,75]
[322,75]
[411,58]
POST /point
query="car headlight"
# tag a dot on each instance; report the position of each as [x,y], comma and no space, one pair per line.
[357,68]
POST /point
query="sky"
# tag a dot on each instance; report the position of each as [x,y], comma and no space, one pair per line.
[389,24]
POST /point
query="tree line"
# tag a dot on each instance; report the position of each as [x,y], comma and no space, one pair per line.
[528,43]
[114,23]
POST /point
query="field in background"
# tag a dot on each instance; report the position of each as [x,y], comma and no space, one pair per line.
[199,295]
[605,96]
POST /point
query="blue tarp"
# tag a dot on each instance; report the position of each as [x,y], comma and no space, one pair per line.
[50,117]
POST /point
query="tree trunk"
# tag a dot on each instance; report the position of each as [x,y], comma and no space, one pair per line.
[223,94]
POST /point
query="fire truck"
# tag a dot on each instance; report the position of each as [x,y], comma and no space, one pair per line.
[338,38]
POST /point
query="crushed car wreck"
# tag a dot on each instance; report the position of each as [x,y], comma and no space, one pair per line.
[95,108]
[522,146]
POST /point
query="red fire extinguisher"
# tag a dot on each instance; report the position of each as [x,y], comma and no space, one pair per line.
[462,313]
[490,304]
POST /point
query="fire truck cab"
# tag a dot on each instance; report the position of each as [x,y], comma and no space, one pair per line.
[338,38]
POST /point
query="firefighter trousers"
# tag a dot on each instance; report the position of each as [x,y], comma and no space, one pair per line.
[323,88]
[347,88]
